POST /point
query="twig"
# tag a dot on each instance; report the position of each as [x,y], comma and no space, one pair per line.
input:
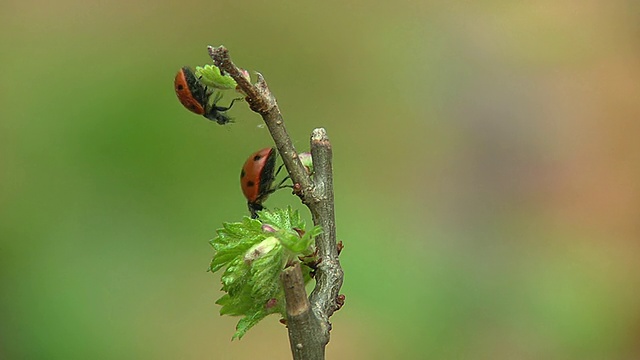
[301,321]
[329,274]
[308,329]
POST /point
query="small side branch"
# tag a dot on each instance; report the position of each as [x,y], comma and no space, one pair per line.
[308,319]
[329,275]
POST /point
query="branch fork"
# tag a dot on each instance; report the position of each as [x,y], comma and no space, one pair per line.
[307,318]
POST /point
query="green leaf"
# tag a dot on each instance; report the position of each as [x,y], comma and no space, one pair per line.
[233,240]
[253,254]
[266,274]
[210,76]
[247,323]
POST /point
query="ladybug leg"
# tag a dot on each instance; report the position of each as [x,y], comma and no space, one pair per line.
[211,106]
[278,171]
[217,98]
[280,186]
[222,108]
[205,89]
[277,187]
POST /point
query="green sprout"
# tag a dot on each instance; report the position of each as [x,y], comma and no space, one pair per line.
[254,252]
[210,76]
[307,161]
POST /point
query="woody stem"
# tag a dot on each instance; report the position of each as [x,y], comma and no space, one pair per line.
[307,319]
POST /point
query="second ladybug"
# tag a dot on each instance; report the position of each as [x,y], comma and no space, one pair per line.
[195,97]
[256,178]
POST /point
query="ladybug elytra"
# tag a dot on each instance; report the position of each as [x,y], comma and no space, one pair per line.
[190,92]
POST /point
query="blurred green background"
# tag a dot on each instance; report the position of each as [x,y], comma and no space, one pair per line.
[487,175]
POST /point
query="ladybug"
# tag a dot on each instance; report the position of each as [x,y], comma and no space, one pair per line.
[195,97]
[256,178]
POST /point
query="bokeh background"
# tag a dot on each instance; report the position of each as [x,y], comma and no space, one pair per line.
[487,175]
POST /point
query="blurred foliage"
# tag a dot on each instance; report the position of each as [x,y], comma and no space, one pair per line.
[486,162]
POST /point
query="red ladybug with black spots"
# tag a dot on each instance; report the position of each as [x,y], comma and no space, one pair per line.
[195,97]
[256,178]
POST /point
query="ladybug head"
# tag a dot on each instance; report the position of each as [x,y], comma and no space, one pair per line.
[218,116]
[254,208]
[218,113]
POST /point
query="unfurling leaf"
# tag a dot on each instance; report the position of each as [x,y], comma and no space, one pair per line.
[210,75]
[253,253]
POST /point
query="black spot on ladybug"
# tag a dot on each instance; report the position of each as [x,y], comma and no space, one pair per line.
[242,174]
[257,157]
[250,183]
[180,87]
